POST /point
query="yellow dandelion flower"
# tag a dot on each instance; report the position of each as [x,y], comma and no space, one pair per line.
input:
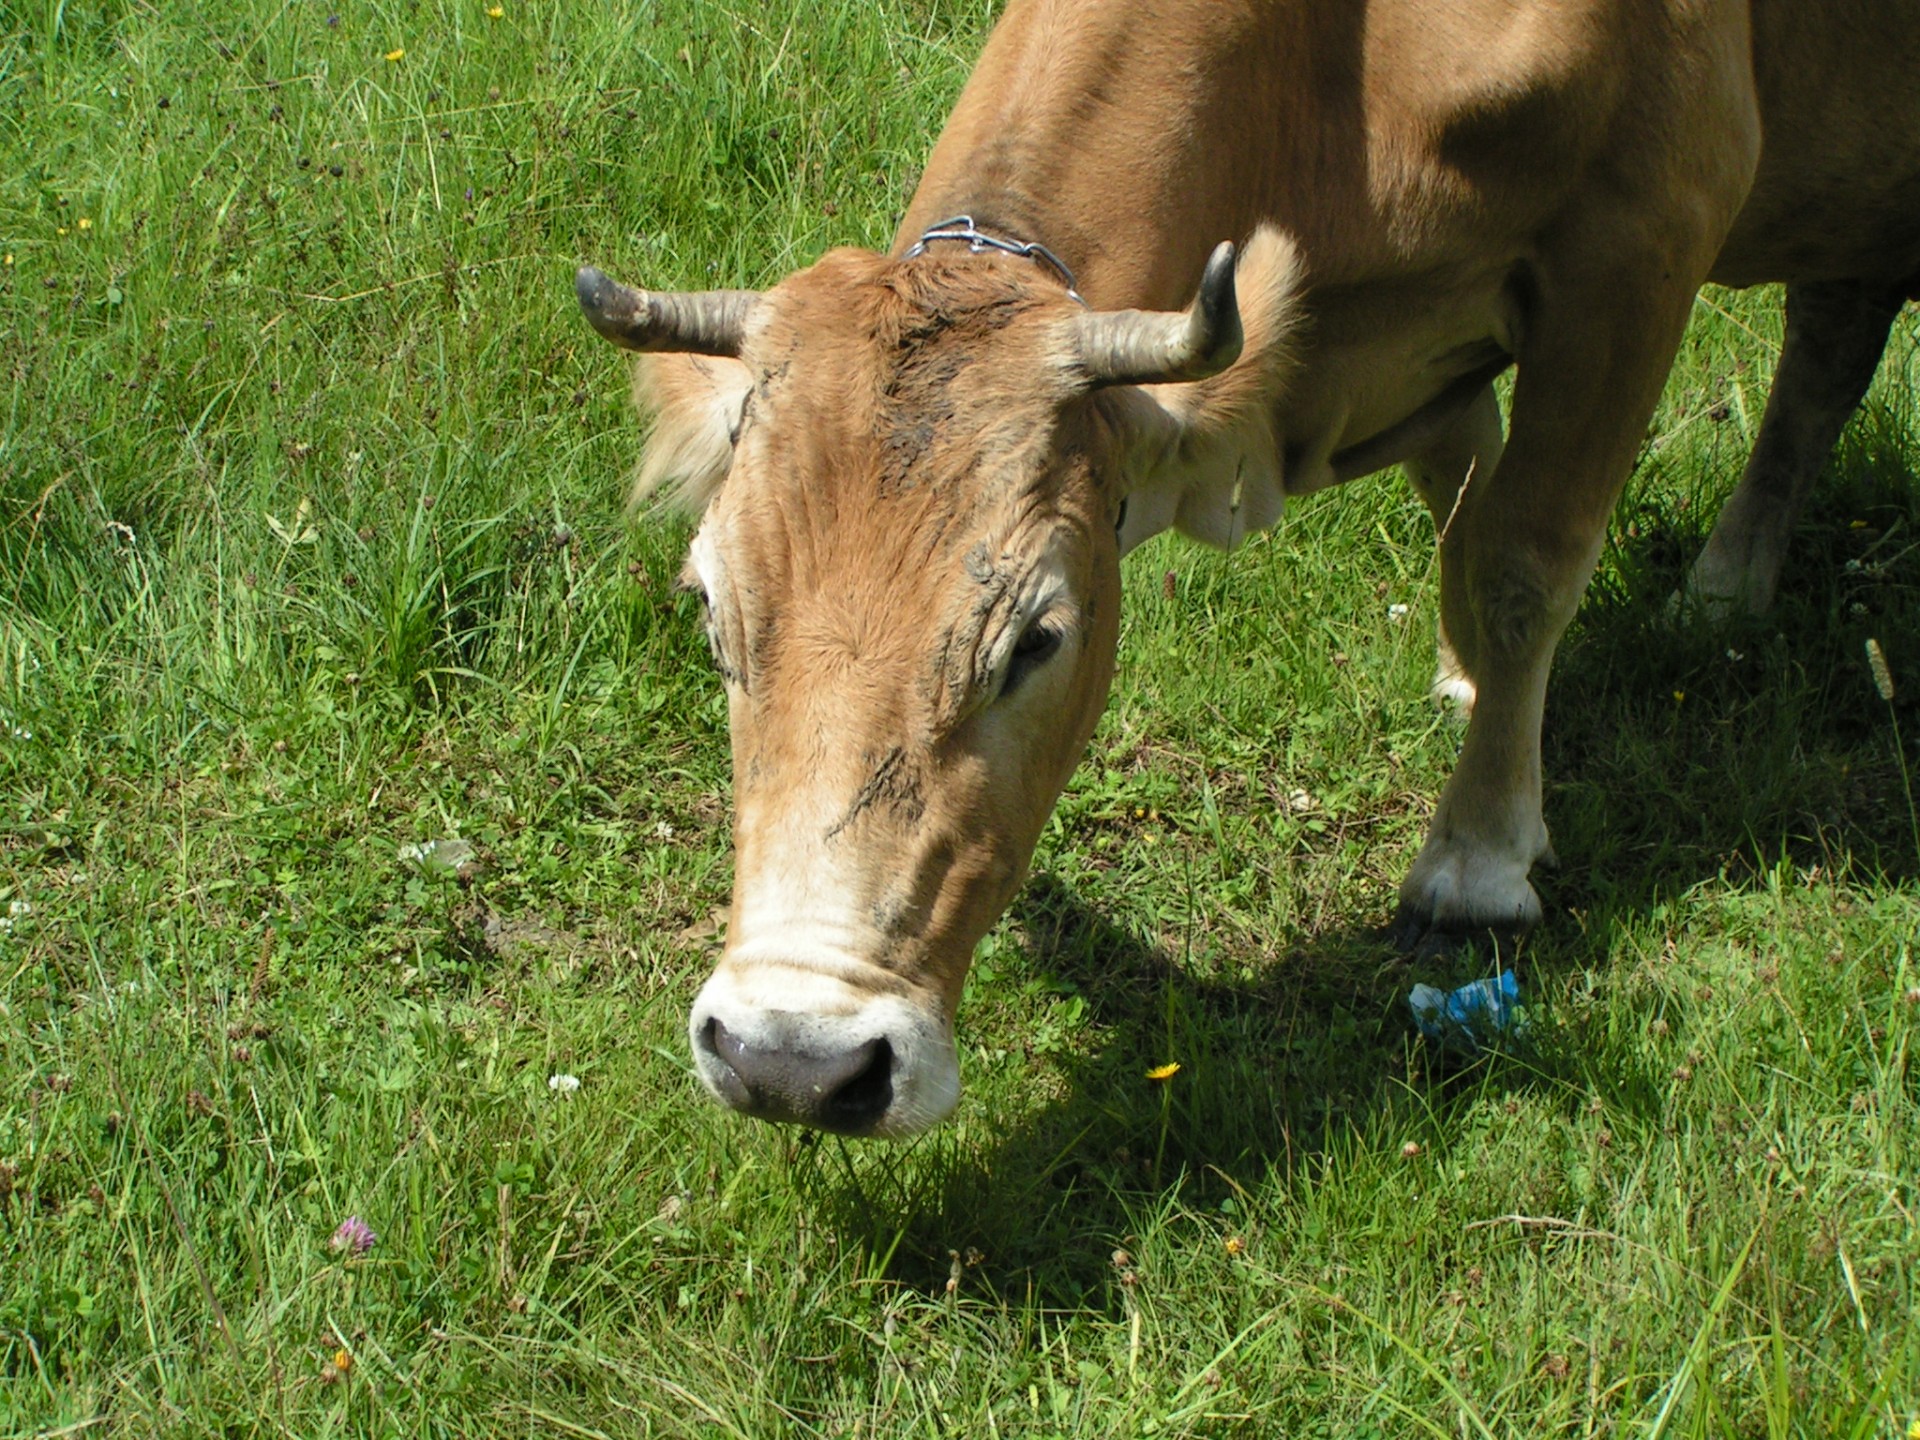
[342,1361]
[86,224]
[1235,1244]
[1164,1072]
[59,229]
[400,54]
[494,12]
[1913,1429]
[1678,696]
[9,260]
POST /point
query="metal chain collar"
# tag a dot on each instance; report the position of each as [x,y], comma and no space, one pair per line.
[961,227]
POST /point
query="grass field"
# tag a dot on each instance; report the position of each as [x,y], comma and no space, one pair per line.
[312,547]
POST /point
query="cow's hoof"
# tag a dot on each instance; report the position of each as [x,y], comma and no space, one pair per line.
[1689,608]
[1452,686]
[1714,597]
[1445,905]
[1415,936]
[1455,692]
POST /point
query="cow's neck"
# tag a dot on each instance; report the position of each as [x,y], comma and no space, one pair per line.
[1128,141]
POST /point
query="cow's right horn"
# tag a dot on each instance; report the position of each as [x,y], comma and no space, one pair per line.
[1153,347]
[694,322]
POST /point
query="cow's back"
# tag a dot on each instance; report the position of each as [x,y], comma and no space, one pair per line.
[1404,133]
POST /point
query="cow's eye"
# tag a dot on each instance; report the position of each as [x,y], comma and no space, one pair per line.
[1039,644]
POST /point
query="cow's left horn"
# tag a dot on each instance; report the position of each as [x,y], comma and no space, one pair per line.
[1151,347]
[695,322]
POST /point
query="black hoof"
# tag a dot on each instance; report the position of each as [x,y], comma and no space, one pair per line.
[1415,936]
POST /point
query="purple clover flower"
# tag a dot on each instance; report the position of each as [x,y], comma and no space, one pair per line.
[354,1236]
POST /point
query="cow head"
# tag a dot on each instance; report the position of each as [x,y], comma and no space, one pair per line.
[915,479]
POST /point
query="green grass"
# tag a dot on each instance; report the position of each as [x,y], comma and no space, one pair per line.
[312,546]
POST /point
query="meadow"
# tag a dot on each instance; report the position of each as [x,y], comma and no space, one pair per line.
[314,551]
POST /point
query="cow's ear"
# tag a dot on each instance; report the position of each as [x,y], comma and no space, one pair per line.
[1204,456]
[696,402]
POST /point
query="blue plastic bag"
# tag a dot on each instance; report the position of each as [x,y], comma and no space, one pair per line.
[1472,1017]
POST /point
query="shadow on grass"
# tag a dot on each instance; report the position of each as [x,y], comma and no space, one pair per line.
[1280,1072]
[1678,754]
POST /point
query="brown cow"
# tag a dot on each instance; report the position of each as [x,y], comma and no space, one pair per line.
[917,472]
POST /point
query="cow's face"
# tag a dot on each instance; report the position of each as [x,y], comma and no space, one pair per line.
[909,562]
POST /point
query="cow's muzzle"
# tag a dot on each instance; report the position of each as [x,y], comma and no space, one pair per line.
[848,1091]
[798,1046]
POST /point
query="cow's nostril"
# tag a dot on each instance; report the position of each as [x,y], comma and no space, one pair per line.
[849,1091]
[731,1084]
[858,1104]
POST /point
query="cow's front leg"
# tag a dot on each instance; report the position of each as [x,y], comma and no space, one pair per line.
[1516,554]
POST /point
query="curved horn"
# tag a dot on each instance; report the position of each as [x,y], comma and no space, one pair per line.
[695,322]
[1152,347]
